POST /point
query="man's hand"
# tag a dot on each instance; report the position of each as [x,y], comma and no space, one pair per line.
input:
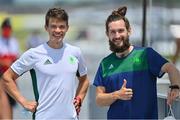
[124,93]
[77,104]
[30,105]
[173,95]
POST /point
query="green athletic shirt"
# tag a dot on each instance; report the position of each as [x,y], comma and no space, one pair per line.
[140,68]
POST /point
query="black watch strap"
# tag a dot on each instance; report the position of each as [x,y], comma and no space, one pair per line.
[174,87]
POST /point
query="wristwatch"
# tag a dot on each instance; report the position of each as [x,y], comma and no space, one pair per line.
[174,86]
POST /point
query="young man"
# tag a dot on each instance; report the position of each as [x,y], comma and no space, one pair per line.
[126,79]
[54,66]
[9,52]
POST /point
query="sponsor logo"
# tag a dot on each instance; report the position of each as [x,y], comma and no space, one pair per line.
[47,62]
[111,67]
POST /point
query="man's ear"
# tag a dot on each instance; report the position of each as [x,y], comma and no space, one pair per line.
[67,27]
[106,33]
[129,31]
[45,27]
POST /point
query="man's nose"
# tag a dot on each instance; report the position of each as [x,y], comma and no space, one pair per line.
[58,29]
[117,34]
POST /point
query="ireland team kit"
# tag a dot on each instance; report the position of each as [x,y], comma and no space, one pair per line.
[53,74]
[141,69]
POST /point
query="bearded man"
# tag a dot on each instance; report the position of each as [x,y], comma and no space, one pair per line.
[126,79]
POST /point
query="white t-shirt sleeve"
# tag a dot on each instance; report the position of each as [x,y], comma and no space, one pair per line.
[24,63]
[82,68]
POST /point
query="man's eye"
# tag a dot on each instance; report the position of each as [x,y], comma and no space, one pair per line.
[61,27]
[121,30]
[113,32]
[53,26]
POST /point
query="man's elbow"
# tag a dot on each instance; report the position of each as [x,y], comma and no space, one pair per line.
[6,78]
[169,67]
[98,102]
[5,81]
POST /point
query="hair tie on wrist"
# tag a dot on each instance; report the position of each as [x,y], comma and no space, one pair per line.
[79,100]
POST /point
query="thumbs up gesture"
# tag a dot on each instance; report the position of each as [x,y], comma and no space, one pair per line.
[124,93]
[124,83]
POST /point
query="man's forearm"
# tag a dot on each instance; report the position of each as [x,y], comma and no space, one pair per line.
[173,73]
[105,99]
[82,87]
[174,76]
[11,87]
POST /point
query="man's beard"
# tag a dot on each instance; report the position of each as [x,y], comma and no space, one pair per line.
[117,49]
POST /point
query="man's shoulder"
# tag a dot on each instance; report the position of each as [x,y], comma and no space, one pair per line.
[71,47]
[108,58]
[33,51]
[140,47]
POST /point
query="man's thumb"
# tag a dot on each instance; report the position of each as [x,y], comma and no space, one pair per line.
[124,83]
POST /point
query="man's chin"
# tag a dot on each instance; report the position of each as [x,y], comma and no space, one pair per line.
[119,46]
[58,39]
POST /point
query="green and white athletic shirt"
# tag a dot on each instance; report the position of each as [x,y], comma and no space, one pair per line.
[53,73]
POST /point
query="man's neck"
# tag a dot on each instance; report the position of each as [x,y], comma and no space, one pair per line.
[125,53]
[55,45]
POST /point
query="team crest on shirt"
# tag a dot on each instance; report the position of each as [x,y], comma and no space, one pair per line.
[137,60]
[72,60]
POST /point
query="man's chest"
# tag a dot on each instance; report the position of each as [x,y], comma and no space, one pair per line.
[58,65]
